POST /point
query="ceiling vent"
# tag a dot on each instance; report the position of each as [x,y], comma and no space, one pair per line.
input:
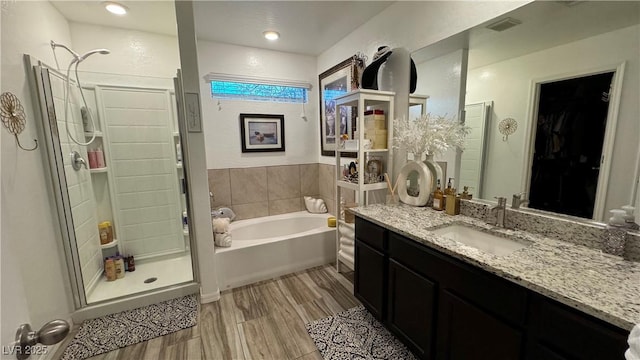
[504,24]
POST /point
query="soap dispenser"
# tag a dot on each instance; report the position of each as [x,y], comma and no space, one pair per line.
[615,233]
[630,218]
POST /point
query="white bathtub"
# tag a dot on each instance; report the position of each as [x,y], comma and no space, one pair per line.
[266,247]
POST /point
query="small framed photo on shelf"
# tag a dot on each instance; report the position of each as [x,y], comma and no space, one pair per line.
[262,132]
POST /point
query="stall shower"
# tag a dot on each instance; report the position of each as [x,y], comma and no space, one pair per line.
[125,130]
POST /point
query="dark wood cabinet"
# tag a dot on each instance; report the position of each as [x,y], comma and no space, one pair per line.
[570,334]
[467,332]
[444,308]
[411,309]
[369,283]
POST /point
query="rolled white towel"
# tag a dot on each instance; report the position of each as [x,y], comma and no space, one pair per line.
[346,256]
[347,232]
[633,353]
[346,242]
[347,250]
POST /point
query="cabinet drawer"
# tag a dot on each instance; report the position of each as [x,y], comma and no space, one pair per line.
[371,234]
[574,334]
[488,291]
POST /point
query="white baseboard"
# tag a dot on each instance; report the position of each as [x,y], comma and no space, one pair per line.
[209,297]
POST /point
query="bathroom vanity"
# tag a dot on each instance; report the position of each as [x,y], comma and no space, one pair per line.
[549,299]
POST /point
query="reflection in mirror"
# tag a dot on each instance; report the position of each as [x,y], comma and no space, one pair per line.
[567,74]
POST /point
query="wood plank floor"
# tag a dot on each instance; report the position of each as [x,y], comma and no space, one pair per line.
[265,320]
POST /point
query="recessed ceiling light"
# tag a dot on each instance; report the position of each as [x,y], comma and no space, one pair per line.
[115,8]
[271,35]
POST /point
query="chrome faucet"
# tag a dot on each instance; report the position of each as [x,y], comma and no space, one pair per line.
[518,201]
[500,211]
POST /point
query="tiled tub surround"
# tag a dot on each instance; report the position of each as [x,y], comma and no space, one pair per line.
[273,190]
[565,228]
[262,191]
[601,285]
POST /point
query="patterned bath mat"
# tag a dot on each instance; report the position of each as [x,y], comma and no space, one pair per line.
[356,334]
[101,335]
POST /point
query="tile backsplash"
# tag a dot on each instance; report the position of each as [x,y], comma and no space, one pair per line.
[266,190]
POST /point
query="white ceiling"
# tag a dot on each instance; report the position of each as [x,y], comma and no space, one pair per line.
[306,27]
[145,15]
[544,24]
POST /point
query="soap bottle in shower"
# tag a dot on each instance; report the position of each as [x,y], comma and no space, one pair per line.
[615,233]
[119,266]
[110,269]
[99,158]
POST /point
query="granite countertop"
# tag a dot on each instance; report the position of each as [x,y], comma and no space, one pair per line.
[598,284]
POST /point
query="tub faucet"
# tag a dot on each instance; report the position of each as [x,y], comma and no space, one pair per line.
[499,211]
[518,201]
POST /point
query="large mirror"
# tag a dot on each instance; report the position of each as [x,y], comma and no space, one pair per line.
[551,93]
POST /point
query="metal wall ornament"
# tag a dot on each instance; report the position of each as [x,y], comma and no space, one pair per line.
[507,127]
[13,117]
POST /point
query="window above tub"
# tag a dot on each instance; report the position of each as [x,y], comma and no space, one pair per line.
[234,87]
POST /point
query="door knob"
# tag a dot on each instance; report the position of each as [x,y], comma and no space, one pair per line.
[51,333]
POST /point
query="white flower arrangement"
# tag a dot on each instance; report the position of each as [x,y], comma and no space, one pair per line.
[430,134]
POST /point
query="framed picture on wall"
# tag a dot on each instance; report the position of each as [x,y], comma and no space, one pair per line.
[338,80]
[262,132]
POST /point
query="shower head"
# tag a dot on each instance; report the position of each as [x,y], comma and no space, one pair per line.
[54,45]
[91,52]
[77,57]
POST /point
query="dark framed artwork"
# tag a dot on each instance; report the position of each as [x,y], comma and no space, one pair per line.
[262,132]
[340,79]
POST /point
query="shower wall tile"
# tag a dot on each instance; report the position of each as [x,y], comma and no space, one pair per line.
[248,185]
[220,186]
[283,182]
[252,210]
[309,179]
[284,206]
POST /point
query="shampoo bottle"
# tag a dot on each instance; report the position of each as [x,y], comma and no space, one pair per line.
[110,269]
[99,158]
[119,266]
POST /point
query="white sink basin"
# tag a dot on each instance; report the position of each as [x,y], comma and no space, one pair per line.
[481,240]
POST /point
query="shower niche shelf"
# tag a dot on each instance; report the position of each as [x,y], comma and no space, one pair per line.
[88,135]
[98,170]
[109,245]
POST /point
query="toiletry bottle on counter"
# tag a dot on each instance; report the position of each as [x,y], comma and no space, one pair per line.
[449,189]
[465,194]
[615,233]
[630,218]
[110,269]
[438,198]
[453,203]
